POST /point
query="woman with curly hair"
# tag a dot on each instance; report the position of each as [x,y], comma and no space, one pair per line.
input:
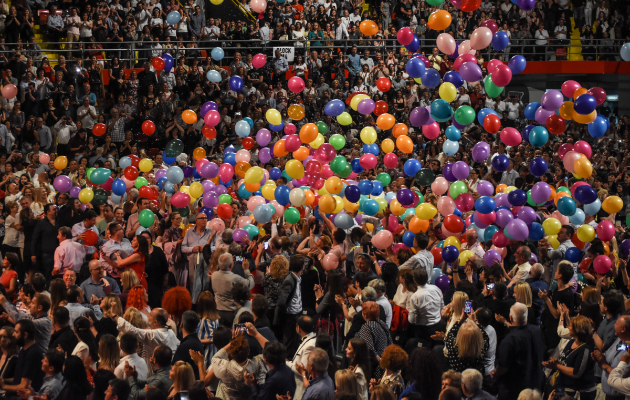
[276,272]
[138,299]
[177,301]
[393,360]
[424,374]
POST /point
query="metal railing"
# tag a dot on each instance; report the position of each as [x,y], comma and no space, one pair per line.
[137,52]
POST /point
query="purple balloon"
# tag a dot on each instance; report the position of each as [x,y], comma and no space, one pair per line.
[461,170]
[62,183]
[264,155]
[574,286]
[526,5]
[447,171]
[485,188]
[419,116]
[442,282]
[359,218]
[470,71]
[504,216]
[188,171]
[456,53]
[404,196]
[207,186]
[159,174]
[239,235]
[263,137]
[491,257]
[208,106]
[209,170]
[625,247]
[542,115]
[210,199]
[457,124]
[517,229]
[74,192]
[481,151]
[552,100]
[430,120]
[220,189]
[501,200]
[533,259]
[527,215]
[541,192]
[366,106]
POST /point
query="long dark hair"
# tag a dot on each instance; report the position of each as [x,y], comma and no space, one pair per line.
[143,245]
[424,372]
[361,357]
[82,329]
[335,283]
[324,342]
[75,378]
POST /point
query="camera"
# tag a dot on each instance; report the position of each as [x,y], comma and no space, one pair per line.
[490,286]
[622,347]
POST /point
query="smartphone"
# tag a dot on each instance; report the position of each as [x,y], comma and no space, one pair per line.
[468,307]
[183,395]
[618,223]
[622,347]
[240,328]
[490,286]
[266,245]
[238,258]
[559,393]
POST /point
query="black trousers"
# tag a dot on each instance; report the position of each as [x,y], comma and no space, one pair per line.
[290,338]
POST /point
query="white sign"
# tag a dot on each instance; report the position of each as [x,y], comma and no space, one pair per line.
[286,52]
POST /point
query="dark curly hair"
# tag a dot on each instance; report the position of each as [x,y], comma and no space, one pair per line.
[425,372]
[239,349]
[394,358]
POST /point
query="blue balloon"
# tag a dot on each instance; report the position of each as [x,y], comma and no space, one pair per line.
[173,17]
[416,69]
[577,218]
[276,128]
[452,133]
[378,188]
[343,221]
[366,187]
[356,166]
[352,193]
[517,64]
[282,195]
[436,274]
[263,213]
[593,208]
[450,254]
[598,127]
[235,83]
[214,76]
[441,110]
[431,77]
[168,160]
[572,254]
[160,183]
[168,61]
[566,206]
[530,110]
[242,192]
[217,54]
[371,148]
[230,158]
[455,78]
[242,128]
[538,167]
[124,162]
[585,104]
[169,187]
[414,45]
[275,173]
[249,121]
[484,113]
[517,197]
[334,108]
[208,211]
[119,187]
[536,231]
[585,194]
[501,162]
[407,238]
[370,207]
[450,147]
[526,131]
[175,174]
[489,232]
[500,41]
[411,167]
[538,136]
[485,205]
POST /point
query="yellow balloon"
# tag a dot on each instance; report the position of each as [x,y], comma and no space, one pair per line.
[145,165]
[612,204]
[334,185]
[586,233]
[448,92]
[464,256]
[294,168]
[344,119]
[216,2]
[273,116]
[354,103]
[509,189]
[452,241]
[425,211]
[418,80]
[368,135]
[323,190]
[269,192]
[397,208]
[553,241]
[388,146]
[318,141]
[552,226]
[338,204]
[195,190]
[583,167]
[185,189]
[327,204]
[350,207]
[584,119]
[255,174]
[382,204]
[86,195]
[61,162]
[370,227]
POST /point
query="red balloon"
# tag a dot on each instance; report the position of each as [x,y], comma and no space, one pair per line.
[492,124]
[156,203]
[145,191]
[453,223]
[556,125]
[90,238]
[135,160]
[248,142]
[437,255]
[492,25]
[380,107]
[585,263]
[599,94]
[209,132]
[224,211]
[158,63]
[131,173]
[99,129]
[577,242]
[470,5]
[148,127]
[383,84]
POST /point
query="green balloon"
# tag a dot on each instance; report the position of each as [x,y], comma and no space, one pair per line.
[174,148]
[581,277]
[251,230]
[435,2]
[628,220]
[456,189]
[425,177]
[225,198]
[322,127]
[465,115]
[346,171]
[337,141]
[100,175]
[420,197]
[291,215]
[183,212]
[564,189]
[384,178]
[492,90]
[140,181]
[344,119]
[530,201]
[338,164]
[88,173]
[505,232]
[146,218]
[100,197]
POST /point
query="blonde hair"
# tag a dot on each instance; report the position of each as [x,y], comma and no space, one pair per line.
[346,382]
[183,376]
[134,317]
[459,301]
[279,267]
[529,394]
[109,352]
[38,196]
[523,293]
[107,305]
[469,340]
[582,328]
[591,294]
[129,279]
[382,392]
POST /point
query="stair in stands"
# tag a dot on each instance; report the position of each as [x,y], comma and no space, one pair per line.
[575,46]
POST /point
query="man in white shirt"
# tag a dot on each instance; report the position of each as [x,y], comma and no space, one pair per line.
[87,114]
[342,30]
[514,108]
[355,18]
[65,129]
[116,243]
[69,254]
[521,271]
[472,244]
[560,32]
[509,176]
[143,16]
[541,37]
[129,346]
[422,258]
[425,306]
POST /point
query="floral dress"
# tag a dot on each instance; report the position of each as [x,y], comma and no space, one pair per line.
[395,382]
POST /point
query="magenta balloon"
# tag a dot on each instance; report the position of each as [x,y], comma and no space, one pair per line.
[62,183]
[327,152]
[490,24]
[290,129]
[504,216]
[485,188]
[542,115]
[552,100]
[517,229]
[605,230]
[263,137]
[541,192]
[470,72]
[584,148]
[465,202]
[502,75]
[405,36]
[212,118]
[292,143]
[564,149]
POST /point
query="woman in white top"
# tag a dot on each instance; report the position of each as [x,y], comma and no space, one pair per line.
[299,67]
[473,181]
[86,349]
[12,229]
[85,28]
[588,12]
[182,26]
[39,201]
[406,287]
[358,354]
[463,97]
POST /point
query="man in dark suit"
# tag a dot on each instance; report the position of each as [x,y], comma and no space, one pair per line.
[190,321]
[279,380]
[289,305]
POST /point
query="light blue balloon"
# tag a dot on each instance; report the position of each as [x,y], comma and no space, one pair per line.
[175,174]
[436,273]
[370,207]
[217,54]
[625,52]
[578,217]
[173,17]
[169,187]
[538,136]
[389,196]
[593,208]
[344,221]
[214,76]
[124,162]
[263,213]
[452,133]
[450,147]
[377,188]
[242,128]
[410,211]
[115,199]
[249,121]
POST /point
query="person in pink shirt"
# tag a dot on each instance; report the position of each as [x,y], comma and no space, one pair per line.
[69,254]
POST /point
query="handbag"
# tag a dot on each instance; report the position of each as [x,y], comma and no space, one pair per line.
[553,378]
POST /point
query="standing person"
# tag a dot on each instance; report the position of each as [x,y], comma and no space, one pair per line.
[425,306]
[306,329]
[157,265]
[27,371]
[192,246]
[132,222]
[289,305]
[207,310]
[135,261]
[190,322]
[222,282]
[117,243]
[9,278]
[45,241]
[69,254]
[12,232]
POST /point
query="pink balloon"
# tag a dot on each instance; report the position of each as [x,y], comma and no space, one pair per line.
[216,224]
[278,207]
[326,172]
[569,160]
[569,87]
[255,201]
[392,223]
[584,148]
[431,131]
[463,57]
[292,143]
[439,186]
[445,205]
[242,221]
[383,239]
[405,36]
[289,129]
[502,75]
[44,158]
[564,220]
[296,84]
[390,160]
[605,230]
[180,200]
[564,149]
[481,38]
[602,264]
[212,118]
[242,156]
[9,91]
[465,202]
[368,161]
[490,24]
[501,250]
[511,136]
[492,65]
[465,48]
[258,6]
[259,60]
[128,183]
[226,172]
[330,262]
[446,43]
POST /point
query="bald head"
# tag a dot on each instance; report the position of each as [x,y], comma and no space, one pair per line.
[471,237]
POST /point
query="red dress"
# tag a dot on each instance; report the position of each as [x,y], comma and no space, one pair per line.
[138,268]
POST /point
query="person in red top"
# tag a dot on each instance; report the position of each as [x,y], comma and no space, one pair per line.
[9,276]
[135,261]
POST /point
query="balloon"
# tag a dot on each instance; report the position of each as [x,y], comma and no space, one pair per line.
[404,36]
[368,28]
[586,233]
[585,104]
[439,20]
[296,84]
[612,204]
[602,264]
[470,71]
[383,239]
[583,167]
[500,40]
[9,91]
[552,100]
[217,54]
[556,125]
[158,63]
[446,44]
[538,136]
[450,254]
[480,38]
[598,127]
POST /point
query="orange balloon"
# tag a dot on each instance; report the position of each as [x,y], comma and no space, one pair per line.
[404,144]
[279,150]
[385,121]
[308,133]
[579,92]
[189,117]
[560,195]
[199,153]
[310,197]
[400,130]
[296,112]
[606,248]
[501,188]
[186,228]
[327,203]
[301,154]
[252,187]
[584,119]
[553,193]
[439,20]
[566,110]
[416,225]
[215,180]
[240,168]
[368,28]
